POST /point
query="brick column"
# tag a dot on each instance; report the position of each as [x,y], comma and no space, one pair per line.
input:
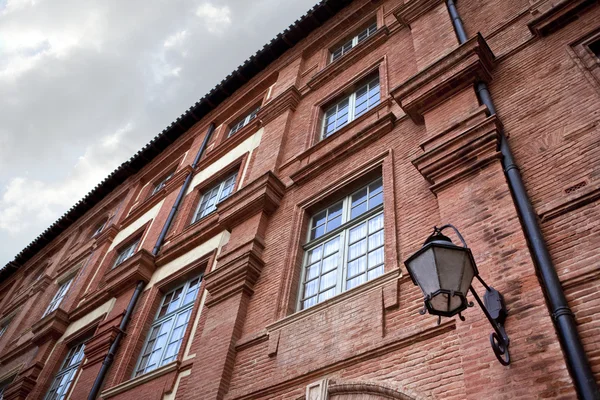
[230,285]
[460,159]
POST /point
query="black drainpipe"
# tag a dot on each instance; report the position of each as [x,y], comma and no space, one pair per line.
[108,360]
[563,317]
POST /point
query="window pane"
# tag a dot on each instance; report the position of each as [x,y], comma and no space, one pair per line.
[376,223]
[314,255]
[376,257]
[320,218]
[328,280]
[357,266]
[317,232]
[309,302]
[310,289]
[334,223]
[358,210]
[358,232]
[357,249]
[352,283]
[376,272]
[376,240]
[327,294]
[330,263]
[332,246]
[359,197]
[312,271]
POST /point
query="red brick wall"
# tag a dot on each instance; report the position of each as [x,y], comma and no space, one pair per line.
[250,342]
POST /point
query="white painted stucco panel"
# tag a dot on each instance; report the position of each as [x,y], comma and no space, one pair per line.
[149,215]
[245,147]
[185,259]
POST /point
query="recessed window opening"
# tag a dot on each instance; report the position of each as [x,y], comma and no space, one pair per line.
[345,245]
[351,106]
[126,253]
[243,122]
[213,196]
[339,51]
[162,183]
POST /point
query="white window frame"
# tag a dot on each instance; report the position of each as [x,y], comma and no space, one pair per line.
[243,122]
[182,310]
[58,297]
[338,52]
[162,183]
[125,253]
[218,191]
[343,233]
[61,384]
[370,84]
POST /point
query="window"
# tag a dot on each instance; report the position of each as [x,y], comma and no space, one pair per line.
[58,297]
[3,327]
[161,184]
[212,197]
[99,228]
[4,385]
[167,330]
[125,253]
[595,47]
[339,51]
[243,122]
[345,246]
[62,382]
[351,107]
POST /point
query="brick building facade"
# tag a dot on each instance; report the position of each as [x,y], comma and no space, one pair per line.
[259,240]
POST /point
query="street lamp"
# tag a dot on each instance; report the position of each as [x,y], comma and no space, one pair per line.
[444,272]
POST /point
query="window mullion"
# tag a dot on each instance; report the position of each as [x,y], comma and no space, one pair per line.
[351,104]
[169,335]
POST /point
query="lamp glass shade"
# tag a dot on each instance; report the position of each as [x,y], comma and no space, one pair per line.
[444,273]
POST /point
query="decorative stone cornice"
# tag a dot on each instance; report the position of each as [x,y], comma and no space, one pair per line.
[471,62]
[107,235]
[314,163]
[91,301]
[40,285]
[97,347]
[553,15]
[461,155]
[24,383]
[138,267]
[287,100]
[51,327]
[263,194]
[238,274]
[411,10]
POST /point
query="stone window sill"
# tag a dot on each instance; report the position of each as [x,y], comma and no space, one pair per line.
[139,380]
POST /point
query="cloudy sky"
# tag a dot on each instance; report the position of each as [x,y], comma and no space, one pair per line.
[86,83]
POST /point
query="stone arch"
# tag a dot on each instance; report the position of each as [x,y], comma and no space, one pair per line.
[363,391]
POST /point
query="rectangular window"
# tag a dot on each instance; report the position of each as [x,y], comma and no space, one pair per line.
[58,297]
[62,382]
[351,107]
[125,253]
[167,330]
[243,122]
[161,183]
[345,47]
[212,197]
[345,246]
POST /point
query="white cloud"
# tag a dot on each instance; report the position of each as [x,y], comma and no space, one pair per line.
[84,84]
[216,19]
